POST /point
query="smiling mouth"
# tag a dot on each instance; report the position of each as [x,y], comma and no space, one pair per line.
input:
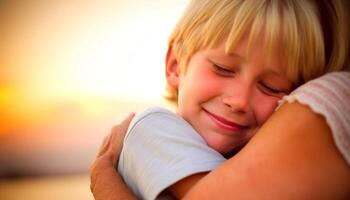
[225,124]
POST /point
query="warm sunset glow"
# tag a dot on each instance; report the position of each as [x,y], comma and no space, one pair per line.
[70,71]
[85,52]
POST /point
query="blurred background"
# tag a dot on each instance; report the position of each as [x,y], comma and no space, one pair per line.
[69,71]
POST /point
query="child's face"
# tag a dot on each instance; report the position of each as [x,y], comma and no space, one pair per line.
[227,97]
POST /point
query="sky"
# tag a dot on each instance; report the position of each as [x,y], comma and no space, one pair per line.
[55,53]
[70,70]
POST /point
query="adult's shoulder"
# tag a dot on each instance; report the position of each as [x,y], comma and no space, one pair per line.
[329,96]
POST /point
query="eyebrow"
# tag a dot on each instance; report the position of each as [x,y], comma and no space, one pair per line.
[227,56]
[274,71]
[236,55]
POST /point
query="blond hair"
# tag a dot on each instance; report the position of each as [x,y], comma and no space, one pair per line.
[314,34]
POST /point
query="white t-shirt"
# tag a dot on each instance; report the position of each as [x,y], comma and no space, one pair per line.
[160,149]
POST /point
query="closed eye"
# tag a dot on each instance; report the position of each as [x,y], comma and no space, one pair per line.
[223,71]
[272,91]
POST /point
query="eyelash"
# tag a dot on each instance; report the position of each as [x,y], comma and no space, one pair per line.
[222,70]
[269,90]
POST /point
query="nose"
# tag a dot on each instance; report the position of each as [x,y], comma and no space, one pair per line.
[238,97]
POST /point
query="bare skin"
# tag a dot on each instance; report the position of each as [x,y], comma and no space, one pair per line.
[106,183]
[292,156]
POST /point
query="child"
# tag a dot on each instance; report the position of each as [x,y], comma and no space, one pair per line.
[228,65]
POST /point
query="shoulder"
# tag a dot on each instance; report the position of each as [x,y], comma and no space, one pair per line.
[332,86]
[329,97]
[155,114]
[160,149]
[160,122]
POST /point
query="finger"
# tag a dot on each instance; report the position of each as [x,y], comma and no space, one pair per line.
[104,145]
[117,137]
[117,130]
[123,126]
[120,130]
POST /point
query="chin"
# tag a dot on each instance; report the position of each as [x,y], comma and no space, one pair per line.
[225,149]
[219,148]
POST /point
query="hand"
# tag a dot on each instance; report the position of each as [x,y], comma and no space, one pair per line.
[103,167]
[113,143]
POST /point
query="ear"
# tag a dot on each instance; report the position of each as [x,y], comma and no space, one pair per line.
[172,69]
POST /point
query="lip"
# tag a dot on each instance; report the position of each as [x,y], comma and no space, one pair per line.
[224,123]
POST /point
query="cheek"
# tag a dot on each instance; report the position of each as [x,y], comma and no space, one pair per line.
[201,83]
[264,107]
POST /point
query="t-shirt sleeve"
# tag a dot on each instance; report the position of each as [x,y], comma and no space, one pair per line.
[329,96]
[161,149]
